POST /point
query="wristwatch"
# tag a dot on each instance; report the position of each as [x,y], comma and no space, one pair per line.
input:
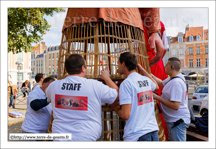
[159,33]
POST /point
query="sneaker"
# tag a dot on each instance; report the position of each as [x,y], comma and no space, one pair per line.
[9,105]
[13,106]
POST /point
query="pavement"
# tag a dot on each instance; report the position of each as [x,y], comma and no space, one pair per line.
[20,106]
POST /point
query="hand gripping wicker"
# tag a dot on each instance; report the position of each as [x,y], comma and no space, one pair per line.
[101,43]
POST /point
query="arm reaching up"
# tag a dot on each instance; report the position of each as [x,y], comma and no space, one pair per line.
[145,73]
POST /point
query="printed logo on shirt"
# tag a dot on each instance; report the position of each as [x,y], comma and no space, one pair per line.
[71,102]
[143,83]
[144,97]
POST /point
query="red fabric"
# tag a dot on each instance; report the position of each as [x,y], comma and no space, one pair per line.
[157,70]
[129,16]
[162,31]
[162,28]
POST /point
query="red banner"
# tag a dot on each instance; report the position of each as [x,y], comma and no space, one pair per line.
[71,102]
[144,97]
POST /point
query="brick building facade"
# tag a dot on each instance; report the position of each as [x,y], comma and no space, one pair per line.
[191,48]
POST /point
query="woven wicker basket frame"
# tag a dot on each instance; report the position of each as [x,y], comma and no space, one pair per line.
[101,44]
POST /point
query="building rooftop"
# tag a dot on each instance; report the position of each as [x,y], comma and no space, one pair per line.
[191,31]
[35,47]
[39,55]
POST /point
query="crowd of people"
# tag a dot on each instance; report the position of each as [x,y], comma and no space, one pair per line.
[76,101]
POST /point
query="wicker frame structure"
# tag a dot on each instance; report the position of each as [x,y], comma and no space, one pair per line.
[101,43]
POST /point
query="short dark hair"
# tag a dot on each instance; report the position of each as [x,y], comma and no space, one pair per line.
[47,79]
[74,63]
[175,62]
[38,77]
[129,59]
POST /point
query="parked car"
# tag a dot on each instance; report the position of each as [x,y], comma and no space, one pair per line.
[54,75]
[198,95]
[204,106]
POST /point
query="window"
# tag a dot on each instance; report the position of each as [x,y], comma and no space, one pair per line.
[56,55]
[41,63]
[202,90]
[20,56]
[53,62]
[36,63]
[198,50]
[45,60]
[191,38]
[49,70]
[198,62]
[53,55]
[190,51]
[174,53]
[49,56]
[198,38]
[45,68]
[206,61]
[206,49]
[56,70]
[41,70]
[49,62]
[190,63]
[57,62]
[20,67]
[180,39]
[181,51]
[19,77]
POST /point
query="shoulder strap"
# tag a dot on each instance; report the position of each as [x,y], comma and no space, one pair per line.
[179,78]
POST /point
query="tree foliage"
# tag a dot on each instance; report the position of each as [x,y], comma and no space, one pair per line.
[27,26]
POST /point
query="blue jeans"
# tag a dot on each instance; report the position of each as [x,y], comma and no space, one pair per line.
[152,136]
[23,91]
[178,133]
[11,100]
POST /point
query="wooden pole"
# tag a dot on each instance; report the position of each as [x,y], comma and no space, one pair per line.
[96,50]
[130,40]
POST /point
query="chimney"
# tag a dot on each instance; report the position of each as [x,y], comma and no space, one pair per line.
[187,27]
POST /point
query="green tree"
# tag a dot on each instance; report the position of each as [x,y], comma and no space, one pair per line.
[27,26]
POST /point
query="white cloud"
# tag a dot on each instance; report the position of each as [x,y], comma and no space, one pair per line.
[57,20]
[176,19]
[53,37]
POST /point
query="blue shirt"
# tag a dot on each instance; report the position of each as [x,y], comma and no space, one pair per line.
[137,91]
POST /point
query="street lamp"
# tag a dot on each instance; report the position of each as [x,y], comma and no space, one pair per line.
[19,64]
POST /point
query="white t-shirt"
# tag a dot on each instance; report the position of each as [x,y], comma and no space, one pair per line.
[137,91]
[165,41]
[36,85]
[175,90]
[76,104]
[36,121]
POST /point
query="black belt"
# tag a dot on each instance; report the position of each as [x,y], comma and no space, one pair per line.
[178,122]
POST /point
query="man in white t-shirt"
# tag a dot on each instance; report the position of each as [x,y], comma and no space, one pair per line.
[174,101]
[38,112]
[39,80]
[136,101]
[82,117]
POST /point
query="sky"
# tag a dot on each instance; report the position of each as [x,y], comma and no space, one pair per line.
[174,19]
